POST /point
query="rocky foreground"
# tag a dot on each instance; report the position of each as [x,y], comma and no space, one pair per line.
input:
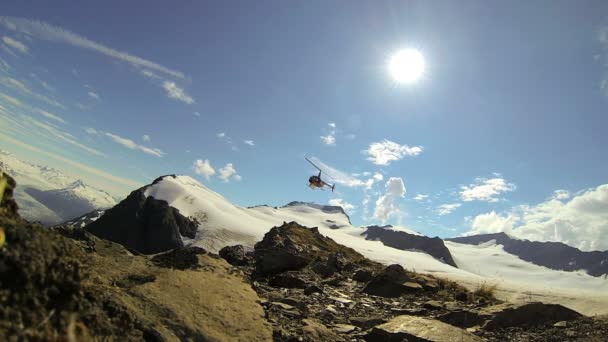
[294,285]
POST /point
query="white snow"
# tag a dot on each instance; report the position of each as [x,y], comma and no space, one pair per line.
[223,223]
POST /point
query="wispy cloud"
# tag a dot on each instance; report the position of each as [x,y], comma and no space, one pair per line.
[447,208]
[485,189]
[330,139]
[93,95]
[130,144]
[15,44]
[22,88]
[177,93]
[45,31]
[145,138]
[50,115]
[197,114]
[249,142]
[386,151]
[343,178]
[92,170]
[150,74]
[420,197]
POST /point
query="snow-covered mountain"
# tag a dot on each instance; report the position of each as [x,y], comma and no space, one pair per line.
[50,196]
[220,223]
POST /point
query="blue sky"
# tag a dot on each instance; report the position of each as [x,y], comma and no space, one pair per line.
[512,105]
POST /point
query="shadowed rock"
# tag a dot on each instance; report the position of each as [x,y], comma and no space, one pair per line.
[392,282]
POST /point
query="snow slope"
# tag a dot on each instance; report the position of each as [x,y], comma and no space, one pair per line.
[50,196]
[223,223]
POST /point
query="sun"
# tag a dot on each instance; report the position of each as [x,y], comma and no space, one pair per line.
[406,66]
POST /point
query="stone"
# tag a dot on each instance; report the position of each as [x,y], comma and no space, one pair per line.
[413,328]
[366,323]
[528,314]
[314,330]
[288,280]
[392,282]
[344,328]
[432,305]
[463,318]
[235,255]
[363,276]
[312,289]
[561,324]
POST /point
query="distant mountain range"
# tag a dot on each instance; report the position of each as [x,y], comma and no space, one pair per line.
[48,195]
[554,255]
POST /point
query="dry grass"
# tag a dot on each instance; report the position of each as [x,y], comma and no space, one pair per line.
[486,291]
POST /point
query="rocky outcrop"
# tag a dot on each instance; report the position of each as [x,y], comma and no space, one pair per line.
[528,314]
[292,247]
[237,255]
[8,206]
[330,209]
[413,328]
[391,283]
[144,224]
[554,255]
[405,241]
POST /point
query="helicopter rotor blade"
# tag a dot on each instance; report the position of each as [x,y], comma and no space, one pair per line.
[313,164]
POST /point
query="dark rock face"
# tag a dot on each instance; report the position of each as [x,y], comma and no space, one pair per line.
[236,255]
[554,255]
[392,282]
[146,225]
[404,241]
[288,280]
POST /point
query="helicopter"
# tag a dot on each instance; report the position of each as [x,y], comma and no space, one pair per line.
[316,181]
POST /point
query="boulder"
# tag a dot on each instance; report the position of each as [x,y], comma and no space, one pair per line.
[528,314]
[312,289]
[463,318]
[366,323]
[288,280]
[314,330]
[291,247]
[236,255]
[363,276]
[392,282]
[413,328]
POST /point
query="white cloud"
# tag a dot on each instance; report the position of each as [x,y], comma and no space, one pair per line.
[328,140]
[50,115]
[581,221]
[378,177]
[447,208]
[420,197]
[130,144]
[383,153]
[22,88]
[386,205]
[221,135]
[149,74]
[485,189]
[332,125]
[145,138]
[228,171]
[15,44]
[249,142]
[177,93]
[44,31]
[91,130]
[603,58]
[238,178]
[204,168]
[197,114]
[93,95]
[349,208]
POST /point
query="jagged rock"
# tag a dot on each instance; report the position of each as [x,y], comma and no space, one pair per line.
[293,302]
[463,318]
[144,224]
[8,206]
[405,241]
[363,276]
[236,255]
[292,247]
[528,314]
[561,324]
[334,263]
[413,328]
[312,289]
[288,280]
[366,323]
[391,283]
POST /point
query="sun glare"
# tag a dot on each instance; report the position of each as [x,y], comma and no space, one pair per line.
[406,66]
